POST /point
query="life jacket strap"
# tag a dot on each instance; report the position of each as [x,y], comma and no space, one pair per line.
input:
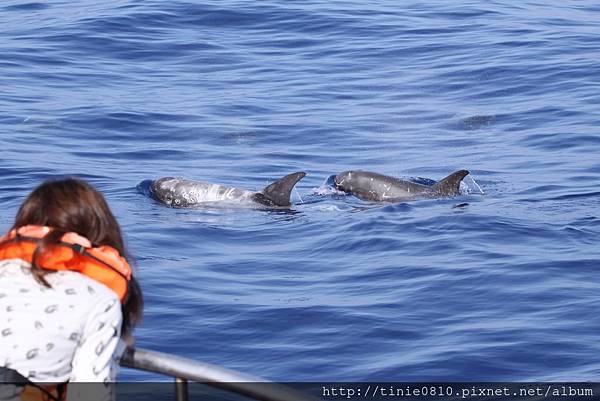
[8,375]
[11,376]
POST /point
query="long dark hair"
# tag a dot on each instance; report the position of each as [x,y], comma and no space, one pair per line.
[72,205]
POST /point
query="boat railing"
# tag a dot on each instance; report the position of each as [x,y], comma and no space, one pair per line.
[184,370]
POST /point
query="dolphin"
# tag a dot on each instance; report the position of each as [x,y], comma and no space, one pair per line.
[370,186]
[179,192]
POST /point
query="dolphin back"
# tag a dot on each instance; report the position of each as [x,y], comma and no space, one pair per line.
[450,185]
[278,193]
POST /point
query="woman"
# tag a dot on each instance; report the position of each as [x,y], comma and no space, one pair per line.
[66,292]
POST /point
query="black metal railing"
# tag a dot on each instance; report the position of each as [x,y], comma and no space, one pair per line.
[184,370]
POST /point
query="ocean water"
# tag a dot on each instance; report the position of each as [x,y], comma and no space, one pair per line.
[499,285]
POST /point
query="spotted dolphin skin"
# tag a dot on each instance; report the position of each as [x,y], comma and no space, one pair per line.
[370,186]
[179,192]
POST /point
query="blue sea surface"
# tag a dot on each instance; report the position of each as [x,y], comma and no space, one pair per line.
[501,285]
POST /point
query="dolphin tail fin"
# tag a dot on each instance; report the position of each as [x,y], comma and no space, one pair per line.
[450,185]
[278,193]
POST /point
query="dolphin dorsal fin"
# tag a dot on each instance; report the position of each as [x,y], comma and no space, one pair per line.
[278,193]
[451,184]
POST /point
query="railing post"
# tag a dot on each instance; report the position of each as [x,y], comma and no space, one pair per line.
[181,389]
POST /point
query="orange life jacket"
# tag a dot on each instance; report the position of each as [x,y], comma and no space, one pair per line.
[75,253]
[41,392]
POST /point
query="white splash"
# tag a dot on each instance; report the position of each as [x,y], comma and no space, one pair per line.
[467,188]
[298,193]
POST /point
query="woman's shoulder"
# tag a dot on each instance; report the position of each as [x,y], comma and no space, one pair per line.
[68,285]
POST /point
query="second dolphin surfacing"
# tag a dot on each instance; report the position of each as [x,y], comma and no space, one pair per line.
[180,192]
[370,186]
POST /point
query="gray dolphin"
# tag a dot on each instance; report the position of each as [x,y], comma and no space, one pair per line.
[370,186]
[179,192]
